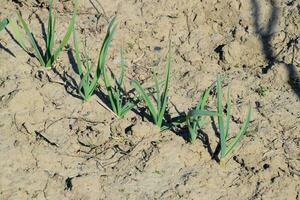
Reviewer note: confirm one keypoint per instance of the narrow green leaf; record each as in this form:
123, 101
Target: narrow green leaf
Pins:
157, 93
146, 99
101, 67
87, 86
241, 132
119, 83
86, 60
202, 123
51, 47
64, 40
122, 64
126, 108
175, 121
118, 98
32, 41
220, 117
111, 95
19, 37
77, 54
204, 98
103, 51
164, 97
50, 33
195, 117
3, 23
192, 130
199, 113
228, 111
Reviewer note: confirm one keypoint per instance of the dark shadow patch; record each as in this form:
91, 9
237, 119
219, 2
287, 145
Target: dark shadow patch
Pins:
206, 143
14, 39
216, 152
265, 34
69, 83
72, 60
7, 50
68, 184
43, 28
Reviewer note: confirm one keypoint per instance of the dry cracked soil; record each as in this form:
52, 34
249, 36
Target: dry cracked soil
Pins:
55, 146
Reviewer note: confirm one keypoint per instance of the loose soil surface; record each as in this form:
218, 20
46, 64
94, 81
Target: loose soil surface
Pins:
55, 146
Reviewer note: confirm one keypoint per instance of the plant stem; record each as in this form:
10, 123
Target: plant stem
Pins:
222, 163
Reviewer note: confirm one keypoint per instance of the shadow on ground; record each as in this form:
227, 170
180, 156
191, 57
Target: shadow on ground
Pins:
265, 34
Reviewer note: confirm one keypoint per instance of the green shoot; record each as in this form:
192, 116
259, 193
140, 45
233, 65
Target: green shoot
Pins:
161, 99
46, 59
116, 94
224, 125
17, 34
88, 83
194, 120
3, 23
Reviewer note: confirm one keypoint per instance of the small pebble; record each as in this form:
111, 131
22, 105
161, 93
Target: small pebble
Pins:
157, 49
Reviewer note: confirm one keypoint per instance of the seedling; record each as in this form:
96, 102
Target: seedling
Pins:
3, 23
224, 126
194, 119
160, 99
46, 59
88, 82
116, 93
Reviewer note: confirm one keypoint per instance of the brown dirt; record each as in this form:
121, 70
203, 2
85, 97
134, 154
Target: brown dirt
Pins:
54, 146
